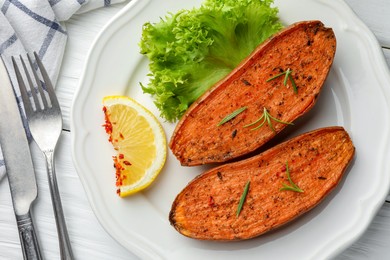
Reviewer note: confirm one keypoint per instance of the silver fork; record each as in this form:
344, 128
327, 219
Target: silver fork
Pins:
45, 123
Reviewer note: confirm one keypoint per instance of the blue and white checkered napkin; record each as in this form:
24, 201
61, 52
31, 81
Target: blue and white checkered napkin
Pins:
35, 25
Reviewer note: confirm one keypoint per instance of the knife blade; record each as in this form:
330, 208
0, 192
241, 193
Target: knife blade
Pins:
19, 166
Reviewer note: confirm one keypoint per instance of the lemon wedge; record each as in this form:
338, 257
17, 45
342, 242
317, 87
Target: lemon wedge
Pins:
139, 140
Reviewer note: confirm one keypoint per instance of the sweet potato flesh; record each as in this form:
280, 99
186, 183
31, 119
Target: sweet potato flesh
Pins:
306, 48
206, 208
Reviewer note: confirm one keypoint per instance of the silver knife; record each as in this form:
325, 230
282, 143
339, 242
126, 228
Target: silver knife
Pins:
19, 166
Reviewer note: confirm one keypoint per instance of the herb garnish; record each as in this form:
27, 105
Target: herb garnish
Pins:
292, 186
287, 75
232, 115
243, 197
266, 118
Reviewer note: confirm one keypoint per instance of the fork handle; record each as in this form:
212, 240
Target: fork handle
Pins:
63, 237
28, 237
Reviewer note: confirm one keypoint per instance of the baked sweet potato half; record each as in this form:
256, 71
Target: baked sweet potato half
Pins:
281, 78
282, 183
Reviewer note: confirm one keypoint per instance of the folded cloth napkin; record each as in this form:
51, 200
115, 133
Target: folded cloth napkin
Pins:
35, 25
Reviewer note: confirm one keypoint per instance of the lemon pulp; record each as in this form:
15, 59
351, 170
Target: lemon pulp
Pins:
139, 141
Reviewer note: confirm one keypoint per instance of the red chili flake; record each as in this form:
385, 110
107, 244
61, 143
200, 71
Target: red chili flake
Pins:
104, 109
117, 166
282, 170
108, 127
119, 177
107, 124
121, 156
118, 191
211, 201
121, 136
127, 163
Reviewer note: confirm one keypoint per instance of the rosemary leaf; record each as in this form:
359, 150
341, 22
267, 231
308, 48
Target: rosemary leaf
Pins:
242, 199
292, 186
276, 76
270, 123
266, 118
259, 126
288, 72
232, 115
255, 122
287, 76
293, 84
280, 121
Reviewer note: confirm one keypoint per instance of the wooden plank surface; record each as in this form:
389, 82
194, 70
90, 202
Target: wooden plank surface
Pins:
89, 239
375, 14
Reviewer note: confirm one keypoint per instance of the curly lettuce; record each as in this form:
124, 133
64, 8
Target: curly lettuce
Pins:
191, 50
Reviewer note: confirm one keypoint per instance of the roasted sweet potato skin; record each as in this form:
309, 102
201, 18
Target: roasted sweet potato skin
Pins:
206, 208
306, 48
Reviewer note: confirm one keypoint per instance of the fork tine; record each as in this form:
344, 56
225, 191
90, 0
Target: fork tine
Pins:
46, 78
23, 91
39, 83
32, 89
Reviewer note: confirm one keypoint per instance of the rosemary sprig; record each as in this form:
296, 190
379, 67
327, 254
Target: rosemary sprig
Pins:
266, 118
292, 186
287, 76
232, 115
242, 199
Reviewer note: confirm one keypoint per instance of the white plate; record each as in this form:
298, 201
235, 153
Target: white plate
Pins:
355, 96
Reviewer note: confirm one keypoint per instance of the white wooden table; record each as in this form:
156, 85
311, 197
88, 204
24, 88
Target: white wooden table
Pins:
89, 239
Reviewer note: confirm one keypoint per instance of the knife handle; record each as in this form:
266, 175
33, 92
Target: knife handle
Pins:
28, 238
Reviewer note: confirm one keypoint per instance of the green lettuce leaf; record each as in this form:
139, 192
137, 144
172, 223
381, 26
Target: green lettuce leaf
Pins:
191, 50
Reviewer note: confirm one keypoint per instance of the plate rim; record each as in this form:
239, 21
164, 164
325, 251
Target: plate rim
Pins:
114, 25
